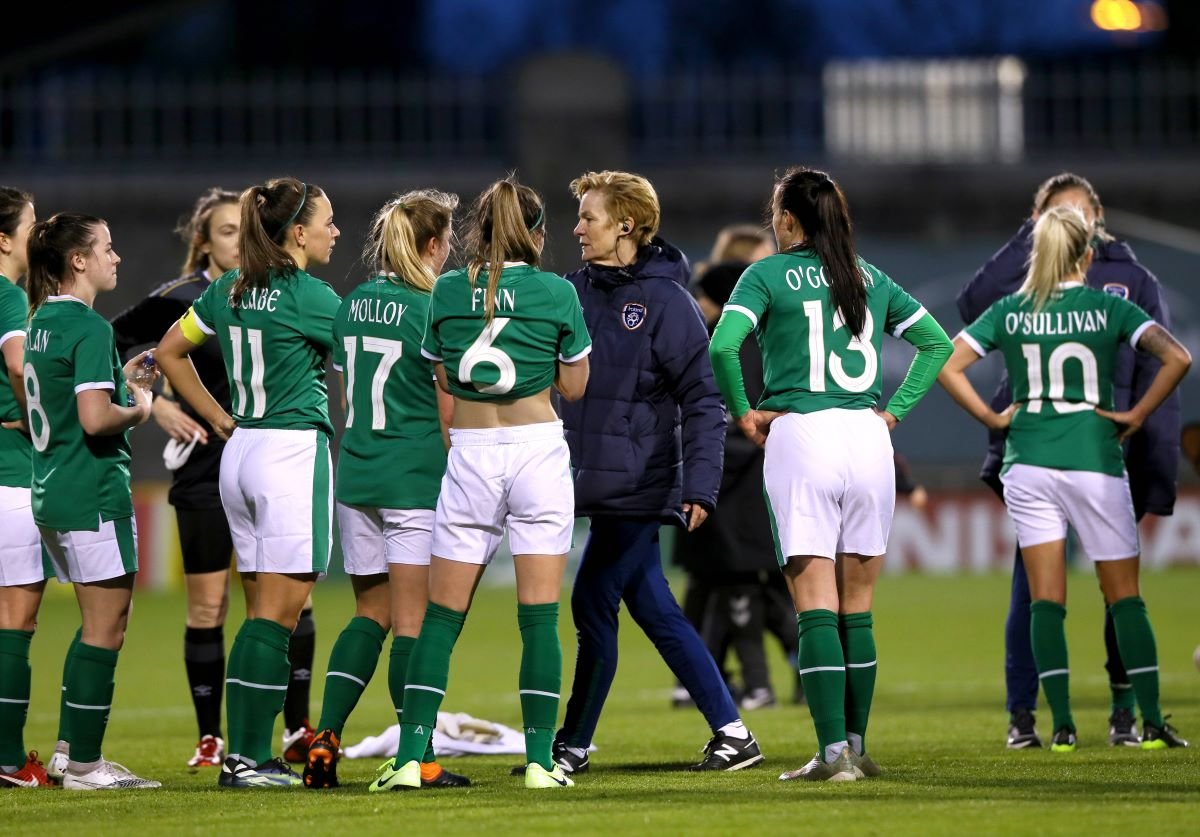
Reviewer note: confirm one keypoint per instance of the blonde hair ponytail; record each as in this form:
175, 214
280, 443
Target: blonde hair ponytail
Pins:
1060, 241
503, 221
401, 231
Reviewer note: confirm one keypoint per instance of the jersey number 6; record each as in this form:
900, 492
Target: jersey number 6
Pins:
482, 351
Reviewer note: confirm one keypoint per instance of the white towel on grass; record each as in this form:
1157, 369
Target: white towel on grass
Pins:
456, 734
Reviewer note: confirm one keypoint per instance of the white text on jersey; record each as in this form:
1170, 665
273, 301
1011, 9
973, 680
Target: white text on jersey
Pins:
1058, 322
260, 300
506, 299
39, 340
376, 311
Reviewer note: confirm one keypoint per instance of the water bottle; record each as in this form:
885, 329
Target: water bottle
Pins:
143, 376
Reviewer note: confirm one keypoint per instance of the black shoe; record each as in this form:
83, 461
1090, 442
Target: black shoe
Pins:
724, 752
1122, 729
1160, 738
320, 771
570, 763
1021, 731
445, 779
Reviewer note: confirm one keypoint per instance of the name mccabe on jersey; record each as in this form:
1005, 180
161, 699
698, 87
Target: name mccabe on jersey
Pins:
1049, 323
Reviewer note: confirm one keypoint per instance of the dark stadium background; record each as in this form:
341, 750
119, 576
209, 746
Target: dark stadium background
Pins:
938, 117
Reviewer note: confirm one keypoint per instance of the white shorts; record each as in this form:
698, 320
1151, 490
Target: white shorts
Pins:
22, 558
277, 490
1042, 501
517, 478
830, 480
83, 556
373, 538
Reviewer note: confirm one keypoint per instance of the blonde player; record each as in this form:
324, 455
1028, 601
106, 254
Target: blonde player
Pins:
500, 332
1063, 462
386, 514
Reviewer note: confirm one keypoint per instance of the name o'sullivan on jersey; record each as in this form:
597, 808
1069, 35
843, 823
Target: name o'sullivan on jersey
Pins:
1058, 322
376, 311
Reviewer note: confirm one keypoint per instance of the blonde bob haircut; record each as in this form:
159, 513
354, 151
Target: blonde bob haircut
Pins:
1061, 238
626, 195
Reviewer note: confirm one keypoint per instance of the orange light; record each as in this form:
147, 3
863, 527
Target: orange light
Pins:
1128, 16
1116, 15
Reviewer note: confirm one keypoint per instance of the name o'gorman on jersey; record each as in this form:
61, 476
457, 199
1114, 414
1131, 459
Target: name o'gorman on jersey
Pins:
1047, 323
376, 311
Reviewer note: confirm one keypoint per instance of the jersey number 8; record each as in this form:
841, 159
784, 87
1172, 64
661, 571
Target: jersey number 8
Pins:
33, 398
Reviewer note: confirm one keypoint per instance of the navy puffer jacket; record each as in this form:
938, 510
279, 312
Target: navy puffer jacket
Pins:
1152, 454
649, 432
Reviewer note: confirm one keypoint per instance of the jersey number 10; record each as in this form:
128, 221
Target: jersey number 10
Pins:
1058, 379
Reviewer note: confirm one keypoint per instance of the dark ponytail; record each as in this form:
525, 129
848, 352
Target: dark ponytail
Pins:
12, 204
268, 212
817, 203
51, 244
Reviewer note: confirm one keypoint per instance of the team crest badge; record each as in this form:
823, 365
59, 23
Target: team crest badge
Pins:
1116, 289
633, 315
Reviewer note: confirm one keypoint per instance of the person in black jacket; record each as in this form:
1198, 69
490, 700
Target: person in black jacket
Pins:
647, 442
735, 591
194, 456
1151, 456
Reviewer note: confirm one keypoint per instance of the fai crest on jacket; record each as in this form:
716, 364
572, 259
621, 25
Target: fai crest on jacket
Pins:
1117, 289
633, 315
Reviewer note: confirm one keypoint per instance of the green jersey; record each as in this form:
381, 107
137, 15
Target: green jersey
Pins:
1060, 362
275, 343
392, 453
15, 448
78, 480
537, 323
810, 360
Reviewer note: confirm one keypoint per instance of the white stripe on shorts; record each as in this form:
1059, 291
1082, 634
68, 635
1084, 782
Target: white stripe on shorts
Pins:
1054, 672
536, 692
821, 668
1143, 670
425, 689
85, 706
347, 676
267, 686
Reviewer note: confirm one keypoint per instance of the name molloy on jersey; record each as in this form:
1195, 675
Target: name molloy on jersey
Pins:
376, 311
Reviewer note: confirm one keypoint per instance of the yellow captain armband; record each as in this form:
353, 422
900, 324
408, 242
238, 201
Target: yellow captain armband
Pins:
193, 327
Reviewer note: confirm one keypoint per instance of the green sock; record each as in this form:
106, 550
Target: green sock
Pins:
402, 647
428, 672
92, 678
256, 683
1122, 693
15, 676
541, 679
822, 668
64, 731
351, 665
858, 645
1049, 639
1139, 653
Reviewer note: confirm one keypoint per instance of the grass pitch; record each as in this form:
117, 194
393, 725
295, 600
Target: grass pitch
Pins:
937, 728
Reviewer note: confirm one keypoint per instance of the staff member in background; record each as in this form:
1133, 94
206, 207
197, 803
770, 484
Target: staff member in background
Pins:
647, 441
274, 321
76, 413
735, 590
23, 569
819, 313
211, 234
1151, 456
1062, 458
